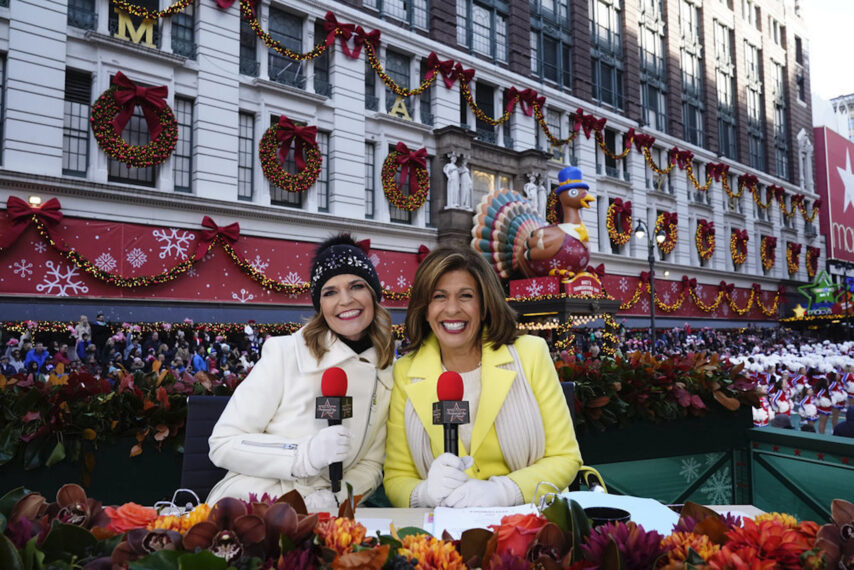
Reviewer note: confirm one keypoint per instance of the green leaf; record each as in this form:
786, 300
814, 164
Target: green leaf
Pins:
65, 541
580, 529
9, 557
2, 523
8, 501
33, 557
411, 531
57, 455
32, 453
558, 513
160, 560
204, 560
10, 438
286, 544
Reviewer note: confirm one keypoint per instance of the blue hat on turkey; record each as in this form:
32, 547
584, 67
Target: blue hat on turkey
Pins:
570, 177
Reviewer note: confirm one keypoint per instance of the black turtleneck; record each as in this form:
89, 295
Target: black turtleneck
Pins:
358, 346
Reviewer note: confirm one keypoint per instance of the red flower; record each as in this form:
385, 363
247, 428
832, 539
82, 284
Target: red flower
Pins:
517, 532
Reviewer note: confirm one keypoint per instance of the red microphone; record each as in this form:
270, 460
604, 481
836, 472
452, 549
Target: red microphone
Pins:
334, 406
450, 410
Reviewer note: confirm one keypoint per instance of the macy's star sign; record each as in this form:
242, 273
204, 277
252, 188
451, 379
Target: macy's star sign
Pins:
847, 177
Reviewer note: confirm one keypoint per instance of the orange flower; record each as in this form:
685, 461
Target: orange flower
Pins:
517, 532
740, 557
787, 521
181, 523
129, 516
431, 552
677, 545
341, 534
771, 539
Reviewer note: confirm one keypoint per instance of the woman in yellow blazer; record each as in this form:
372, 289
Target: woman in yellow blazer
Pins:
520, 433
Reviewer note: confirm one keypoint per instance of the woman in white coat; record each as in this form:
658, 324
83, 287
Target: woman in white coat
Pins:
268, 437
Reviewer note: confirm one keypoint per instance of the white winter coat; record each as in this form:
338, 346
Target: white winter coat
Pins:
271, 415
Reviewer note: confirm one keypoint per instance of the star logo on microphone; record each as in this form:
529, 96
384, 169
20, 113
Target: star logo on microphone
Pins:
456, 414
327, 410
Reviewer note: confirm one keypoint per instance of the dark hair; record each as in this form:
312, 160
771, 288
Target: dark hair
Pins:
497, 315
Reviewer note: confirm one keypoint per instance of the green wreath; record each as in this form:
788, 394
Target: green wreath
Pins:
268, 150
417, 196
105, 108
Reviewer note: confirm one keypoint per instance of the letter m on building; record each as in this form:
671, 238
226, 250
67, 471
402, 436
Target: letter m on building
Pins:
128, 31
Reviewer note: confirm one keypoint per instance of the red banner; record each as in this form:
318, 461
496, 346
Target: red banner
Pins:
834, 177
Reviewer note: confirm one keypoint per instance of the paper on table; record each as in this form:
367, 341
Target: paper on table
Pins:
374, 525
455, 521
648, 513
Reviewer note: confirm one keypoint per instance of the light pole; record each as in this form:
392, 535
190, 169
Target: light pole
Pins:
641, 231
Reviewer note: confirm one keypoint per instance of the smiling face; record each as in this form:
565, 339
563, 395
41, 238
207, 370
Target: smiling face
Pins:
347, 305
454, 312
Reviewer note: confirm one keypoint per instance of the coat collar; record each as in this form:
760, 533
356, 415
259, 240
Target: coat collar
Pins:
495, 381
337, 354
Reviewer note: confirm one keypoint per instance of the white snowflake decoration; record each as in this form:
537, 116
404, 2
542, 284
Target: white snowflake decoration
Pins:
105, 262
61, 281
551, 287
674, 287
292, 278
401, 282
535, 289
690, 469
724, 308
244, 296
39, 246
22, 269
554, 264
191, 272
173, 242
623, 285
665, 297
259, 264
375, 259
137, 257
718, 488
645, 305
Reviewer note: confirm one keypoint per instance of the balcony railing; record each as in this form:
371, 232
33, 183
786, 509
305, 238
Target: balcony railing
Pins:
249, 67
184, 47
77, 17
486, 135
372, 102
323, 88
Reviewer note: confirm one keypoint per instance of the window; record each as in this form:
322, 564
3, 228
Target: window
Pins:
482, 27
799, 50
182, 159
658, 182
613, 168
246, 156
322, 86
781, 141
81, 14
2, 99
692, 74
750, 13
139, 24
484, 181
551, 42
397, 66
249, 64
281, 197
652, 74
725, 89
322, 183
396, 214
506, 126
412, 12
485, 99
287, 29
370, 178
425, 100
372, 102
75, 123
605, 26
755, 107
553, 121
184, 32
135, 133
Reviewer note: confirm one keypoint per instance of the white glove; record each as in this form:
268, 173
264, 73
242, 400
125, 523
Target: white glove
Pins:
327, 446
478, 493
447, 472
322, 501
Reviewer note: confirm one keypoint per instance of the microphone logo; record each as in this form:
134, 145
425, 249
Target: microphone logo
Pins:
327, 410
457, 414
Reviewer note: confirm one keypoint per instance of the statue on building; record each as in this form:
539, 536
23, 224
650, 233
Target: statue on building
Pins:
531, 191
542, 198
465, 184
452, 186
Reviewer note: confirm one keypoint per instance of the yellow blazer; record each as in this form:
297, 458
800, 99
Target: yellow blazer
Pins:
562, 457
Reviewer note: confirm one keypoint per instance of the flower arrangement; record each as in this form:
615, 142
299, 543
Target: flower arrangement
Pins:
738, 246
704, 239
413, 166
274, 147
667, 221
624, 211
77, 531
767, 252
793, 257
105, 110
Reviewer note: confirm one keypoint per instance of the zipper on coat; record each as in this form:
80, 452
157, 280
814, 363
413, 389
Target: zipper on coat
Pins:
283, 445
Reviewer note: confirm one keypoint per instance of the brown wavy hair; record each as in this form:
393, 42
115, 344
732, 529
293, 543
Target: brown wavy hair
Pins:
497, 315
379, 332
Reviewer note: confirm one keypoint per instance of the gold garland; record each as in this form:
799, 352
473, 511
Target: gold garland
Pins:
622, 236
704, 239
668, 308
719, 297
767, 249
627, 145
671, 233
769, 197
144, 13
793, 260
689, 170
738, 253
813, 253
803, 208
728, 190
634, 298
741, 311
772, 311
647, 154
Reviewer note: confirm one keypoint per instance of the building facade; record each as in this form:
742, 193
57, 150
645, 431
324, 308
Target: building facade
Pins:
844, 104
727, 80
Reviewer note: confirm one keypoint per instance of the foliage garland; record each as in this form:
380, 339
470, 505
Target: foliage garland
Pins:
738, 246
671, 231
135, 10
155, 152
268, 149
769, 196
767, 252
417, 196
704, 239
624, 234
793, 257
813, 254
816, 206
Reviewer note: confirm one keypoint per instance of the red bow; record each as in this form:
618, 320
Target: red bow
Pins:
748, 180
364, 245
668, 218
128, 95
300, 135
729, 288
332, 27
628, 138
588, 123
423, 251
618, 206
717, 169
756, 287
817, 204
226, 4
409, 161
528, 99
230, 232
643, 141
777, 190
682, 157
770, 242
689, 283
21, 214
741, 236
446, 68
597, 270
371, 38
464, 75
795, 248
797, 199
644, 277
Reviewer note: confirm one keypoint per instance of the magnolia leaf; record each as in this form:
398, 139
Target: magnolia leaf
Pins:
10, 499
729, 403
65, 541
558, 513
9, 558
714, 528
611, 557
57, 455
136, 450
371, 559
411, 530
9, 441
162, 432
169, 560
580, 529
473, 543
33, 557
